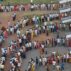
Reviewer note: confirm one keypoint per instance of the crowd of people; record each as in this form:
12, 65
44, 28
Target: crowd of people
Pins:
53, 62
33, 7
42, 25
26, 7
17, 48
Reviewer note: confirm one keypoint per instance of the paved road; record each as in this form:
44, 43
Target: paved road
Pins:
34, 53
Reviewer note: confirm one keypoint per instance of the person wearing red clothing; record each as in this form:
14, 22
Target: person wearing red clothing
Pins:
5, 34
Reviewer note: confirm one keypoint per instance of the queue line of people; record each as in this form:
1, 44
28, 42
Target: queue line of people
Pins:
27, 7
53, 62
24, 43
18, 48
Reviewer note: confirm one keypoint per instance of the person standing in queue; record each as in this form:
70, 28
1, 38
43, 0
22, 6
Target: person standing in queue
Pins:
14, 16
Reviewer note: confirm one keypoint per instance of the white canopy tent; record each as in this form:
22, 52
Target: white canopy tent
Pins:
66, 20
64, 1
68, 36
53, 15
65, 10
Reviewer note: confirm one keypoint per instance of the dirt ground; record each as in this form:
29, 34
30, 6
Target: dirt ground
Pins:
5, 17
40, 38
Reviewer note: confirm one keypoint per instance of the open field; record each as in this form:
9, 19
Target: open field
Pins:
27, 1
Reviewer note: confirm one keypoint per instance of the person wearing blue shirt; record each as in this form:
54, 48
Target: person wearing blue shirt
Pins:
62, 66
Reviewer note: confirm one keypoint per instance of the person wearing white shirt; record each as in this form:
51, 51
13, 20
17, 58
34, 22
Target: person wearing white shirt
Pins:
58, 41
27, 31
12, 30
40, 61
24, 36
3, 8
24, 23
1, 66
30, 30
34, 44
44, 60
11, 8
33, 18
54, 53
18, 33
43, 6
54, 64
20, 42
67, 57
58, 67
30, 45
16, 27
14, 16
42, 45
36, 32
9, 24
3, 59
36, 25
4, 51
45, 23
32, 7
27, 46
43, 29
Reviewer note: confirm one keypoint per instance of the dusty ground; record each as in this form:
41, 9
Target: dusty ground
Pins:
5, 17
